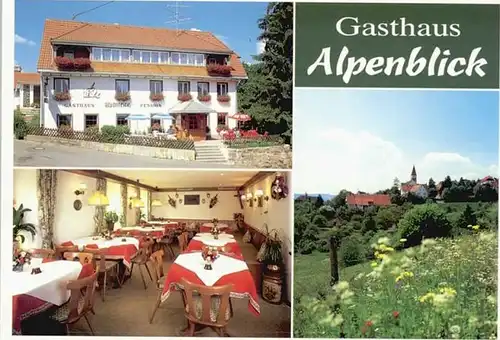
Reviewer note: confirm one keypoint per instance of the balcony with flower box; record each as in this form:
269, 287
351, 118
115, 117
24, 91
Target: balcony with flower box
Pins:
223, 98
122, 96
184, 97
62, 96
72, 58
156, 97
205, 98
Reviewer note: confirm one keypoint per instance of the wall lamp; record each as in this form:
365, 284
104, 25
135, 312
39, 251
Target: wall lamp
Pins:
81, 189
260, 198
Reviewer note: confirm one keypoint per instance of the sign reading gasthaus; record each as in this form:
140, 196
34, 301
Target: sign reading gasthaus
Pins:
397, 45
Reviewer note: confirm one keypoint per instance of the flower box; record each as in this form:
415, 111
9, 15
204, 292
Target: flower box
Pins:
62, 96
122, 96
219, 70
204, 98
64, 63
184, 97
224, 98
81, 64
156, 97
77, 64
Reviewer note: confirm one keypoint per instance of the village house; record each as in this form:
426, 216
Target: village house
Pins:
363, 201
110, 74
412, 186
26, 89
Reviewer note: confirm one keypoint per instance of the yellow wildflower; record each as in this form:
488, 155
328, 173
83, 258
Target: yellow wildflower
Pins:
475, 227
381, 256
374, 264
384, 240
448, 291
427, 297
403, 240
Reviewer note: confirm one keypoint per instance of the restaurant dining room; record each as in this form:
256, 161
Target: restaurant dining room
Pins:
151, 253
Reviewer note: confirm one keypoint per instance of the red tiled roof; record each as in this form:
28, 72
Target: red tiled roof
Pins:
133, 36
26, 78
410, 187
365, 199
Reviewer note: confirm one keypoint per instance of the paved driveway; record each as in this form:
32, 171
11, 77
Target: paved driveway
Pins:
34, 154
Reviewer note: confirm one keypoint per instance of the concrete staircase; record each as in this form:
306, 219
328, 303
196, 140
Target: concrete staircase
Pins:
209, 151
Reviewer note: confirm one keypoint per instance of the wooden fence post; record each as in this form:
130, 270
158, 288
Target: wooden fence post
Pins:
334, 261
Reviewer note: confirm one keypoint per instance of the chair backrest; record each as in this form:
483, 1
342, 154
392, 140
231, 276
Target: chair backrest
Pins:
157, 259
83, 287
146, 247
42, 253
98, 253
60, 250
206, 295
183, 241
84, 258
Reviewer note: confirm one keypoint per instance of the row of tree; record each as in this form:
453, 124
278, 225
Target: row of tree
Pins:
267, 94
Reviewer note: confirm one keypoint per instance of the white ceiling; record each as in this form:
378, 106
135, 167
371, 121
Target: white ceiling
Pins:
186, 179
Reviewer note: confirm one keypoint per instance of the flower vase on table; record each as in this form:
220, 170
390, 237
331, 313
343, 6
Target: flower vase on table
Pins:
215, 232
19, 260
209, 254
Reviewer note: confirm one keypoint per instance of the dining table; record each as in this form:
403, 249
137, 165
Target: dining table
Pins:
206, 227
35, 293
225, 241
118, 248
154, 232
226, 269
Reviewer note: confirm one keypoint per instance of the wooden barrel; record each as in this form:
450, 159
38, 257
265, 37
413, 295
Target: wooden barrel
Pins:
272, 285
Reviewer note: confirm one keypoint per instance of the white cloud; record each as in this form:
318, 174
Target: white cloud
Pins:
358, 160
21, 40
195, 30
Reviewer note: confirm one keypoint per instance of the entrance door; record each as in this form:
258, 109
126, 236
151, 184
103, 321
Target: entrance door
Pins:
196, 124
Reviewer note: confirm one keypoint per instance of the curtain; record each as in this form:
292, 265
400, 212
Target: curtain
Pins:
46, 192
124, 204
137, 210
150, 196
101, 185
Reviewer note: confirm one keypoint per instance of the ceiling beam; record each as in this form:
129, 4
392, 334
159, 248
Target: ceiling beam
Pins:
259, 176
205, 189
107, 175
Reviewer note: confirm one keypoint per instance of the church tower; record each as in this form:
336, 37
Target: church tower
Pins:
414, 175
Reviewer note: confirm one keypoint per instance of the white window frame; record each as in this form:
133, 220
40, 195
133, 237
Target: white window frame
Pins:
171, 58
166, 55
122, 59
110, 54
62, 87
222, 85
142, 57
202, 58
94, 53
187, 58
133, 57
116, 50
157, 83
186, 84
204, 85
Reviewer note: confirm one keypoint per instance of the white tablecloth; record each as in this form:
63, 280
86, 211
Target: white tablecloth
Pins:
161, 222
210, 241
50, 284
219, 225
224, 265
103, 243
144, 229
221, 235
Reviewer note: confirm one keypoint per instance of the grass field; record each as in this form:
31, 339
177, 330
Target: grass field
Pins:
442, 289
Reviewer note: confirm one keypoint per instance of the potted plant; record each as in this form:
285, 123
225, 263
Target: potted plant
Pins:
111, 218
272, 260
184, 97
20, 225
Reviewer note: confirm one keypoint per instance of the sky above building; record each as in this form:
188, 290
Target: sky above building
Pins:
362, 140
235, 23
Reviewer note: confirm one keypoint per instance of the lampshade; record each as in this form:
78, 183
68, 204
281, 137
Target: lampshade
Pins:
137, 203
243, 197
98, 199
156, 203
259, 193
249, 195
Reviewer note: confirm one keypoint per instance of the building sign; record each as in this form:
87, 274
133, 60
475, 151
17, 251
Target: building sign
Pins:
79, 105
91, 92
113, 105
151, 105
397, 45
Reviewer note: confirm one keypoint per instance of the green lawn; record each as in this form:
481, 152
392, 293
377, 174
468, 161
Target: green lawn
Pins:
455, 279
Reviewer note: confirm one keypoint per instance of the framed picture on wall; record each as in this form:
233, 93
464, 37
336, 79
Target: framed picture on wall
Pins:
191, 199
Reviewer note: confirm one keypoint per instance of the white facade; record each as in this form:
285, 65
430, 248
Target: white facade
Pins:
19, 94
95, 95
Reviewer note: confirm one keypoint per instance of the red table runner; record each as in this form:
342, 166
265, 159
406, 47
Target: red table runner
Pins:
135, 233
24, 305
244, 285
123, 252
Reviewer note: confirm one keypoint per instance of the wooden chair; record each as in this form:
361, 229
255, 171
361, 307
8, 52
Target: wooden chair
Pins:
84, 258
142, 259
207, 306
104, 267
60, 250
157, 260
80, 303
166, 244
183, 241
42, 253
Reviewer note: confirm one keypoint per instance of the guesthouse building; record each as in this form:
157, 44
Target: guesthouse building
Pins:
94, 75
26, 90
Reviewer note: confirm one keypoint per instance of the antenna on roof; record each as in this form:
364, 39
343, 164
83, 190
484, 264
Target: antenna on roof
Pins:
176, 18
90, 10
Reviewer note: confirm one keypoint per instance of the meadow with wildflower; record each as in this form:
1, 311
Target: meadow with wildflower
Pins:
443, 288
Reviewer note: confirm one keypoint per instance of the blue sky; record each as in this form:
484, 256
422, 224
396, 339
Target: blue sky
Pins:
234, 22
363, 139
